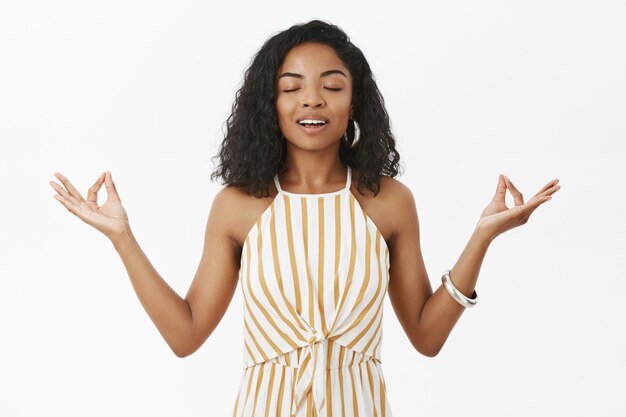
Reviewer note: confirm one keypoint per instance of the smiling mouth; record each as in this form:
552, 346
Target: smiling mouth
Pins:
312, 128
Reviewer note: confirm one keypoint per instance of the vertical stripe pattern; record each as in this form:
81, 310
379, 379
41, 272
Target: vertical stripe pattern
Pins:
314, 274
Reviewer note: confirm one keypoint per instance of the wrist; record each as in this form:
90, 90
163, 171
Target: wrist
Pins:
484, 236
122, 238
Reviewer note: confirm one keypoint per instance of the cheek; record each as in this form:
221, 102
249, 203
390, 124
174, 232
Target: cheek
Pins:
283, 108
341, 104
284, 115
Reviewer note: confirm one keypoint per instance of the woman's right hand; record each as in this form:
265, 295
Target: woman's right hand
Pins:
110, 218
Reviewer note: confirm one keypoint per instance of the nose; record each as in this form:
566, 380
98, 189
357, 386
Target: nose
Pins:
312, 98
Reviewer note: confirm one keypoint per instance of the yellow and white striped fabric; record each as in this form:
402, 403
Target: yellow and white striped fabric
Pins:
314, 274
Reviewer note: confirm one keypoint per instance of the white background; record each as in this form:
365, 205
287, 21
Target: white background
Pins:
531, 89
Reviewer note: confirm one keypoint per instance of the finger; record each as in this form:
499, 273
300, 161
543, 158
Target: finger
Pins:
549, 186
532, 206
63, 193
551, 190
518, 198
69, 205
500, 189
70, 188
111, 190
92, 194
536, 203
548, 192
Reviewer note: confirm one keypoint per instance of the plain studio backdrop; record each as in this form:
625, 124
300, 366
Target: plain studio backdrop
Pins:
531, 89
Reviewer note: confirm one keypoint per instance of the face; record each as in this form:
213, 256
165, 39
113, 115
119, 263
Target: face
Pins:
313, 83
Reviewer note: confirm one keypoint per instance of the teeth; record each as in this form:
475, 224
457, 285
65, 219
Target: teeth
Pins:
306, 121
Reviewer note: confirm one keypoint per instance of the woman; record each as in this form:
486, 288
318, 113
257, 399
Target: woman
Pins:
314, 254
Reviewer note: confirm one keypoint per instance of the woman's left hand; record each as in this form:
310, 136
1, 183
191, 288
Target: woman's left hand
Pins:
497, 218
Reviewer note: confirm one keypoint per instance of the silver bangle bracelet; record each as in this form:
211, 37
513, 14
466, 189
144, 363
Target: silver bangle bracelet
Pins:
458, 296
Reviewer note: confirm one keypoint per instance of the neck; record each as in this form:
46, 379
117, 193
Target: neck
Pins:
313, 174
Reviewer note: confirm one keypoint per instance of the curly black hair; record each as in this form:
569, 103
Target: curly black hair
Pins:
254, 149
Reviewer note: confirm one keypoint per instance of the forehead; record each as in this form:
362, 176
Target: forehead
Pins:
310, 59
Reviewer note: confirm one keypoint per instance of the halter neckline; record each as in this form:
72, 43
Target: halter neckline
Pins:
345, 188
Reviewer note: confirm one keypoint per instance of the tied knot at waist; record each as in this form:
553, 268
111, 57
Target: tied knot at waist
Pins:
311, 373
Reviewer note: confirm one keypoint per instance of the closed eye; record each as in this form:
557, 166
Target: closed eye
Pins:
328, 88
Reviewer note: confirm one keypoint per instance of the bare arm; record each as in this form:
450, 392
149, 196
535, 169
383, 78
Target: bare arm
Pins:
185, 323
426, 317
170, 313
441, 312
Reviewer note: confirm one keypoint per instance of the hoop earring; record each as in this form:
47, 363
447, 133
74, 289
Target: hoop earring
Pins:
357, 135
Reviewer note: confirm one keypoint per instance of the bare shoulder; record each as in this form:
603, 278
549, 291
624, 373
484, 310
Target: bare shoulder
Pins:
395, 188
238, 211
399, 204
389, 207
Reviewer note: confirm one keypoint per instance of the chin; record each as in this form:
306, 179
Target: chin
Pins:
311, 143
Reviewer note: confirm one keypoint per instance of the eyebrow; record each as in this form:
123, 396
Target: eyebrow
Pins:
324, 74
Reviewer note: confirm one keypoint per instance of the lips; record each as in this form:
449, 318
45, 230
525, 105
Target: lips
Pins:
312, 116
313, 129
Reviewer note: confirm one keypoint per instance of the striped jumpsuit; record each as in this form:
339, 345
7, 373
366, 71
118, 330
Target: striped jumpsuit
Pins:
314, 273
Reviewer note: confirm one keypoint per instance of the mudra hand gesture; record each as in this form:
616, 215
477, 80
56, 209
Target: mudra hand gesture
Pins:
110, 218
497, 218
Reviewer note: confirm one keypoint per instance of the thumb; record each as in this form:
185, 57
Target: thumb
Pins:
110, 187
500, 189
